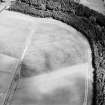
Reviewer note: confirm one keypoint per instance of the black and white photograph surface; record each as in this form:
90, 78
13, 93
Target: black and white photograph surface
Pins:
52, 52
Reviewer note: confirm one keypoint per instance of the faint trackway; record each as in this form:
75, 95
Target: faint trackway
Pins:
11, 92
28, 42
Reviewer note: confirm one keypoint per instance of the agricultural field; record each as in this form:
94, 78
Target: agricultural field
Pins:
54, 61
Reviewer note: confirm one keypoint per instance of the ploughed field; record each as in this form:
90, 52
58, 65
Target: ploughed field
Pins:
53, 58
